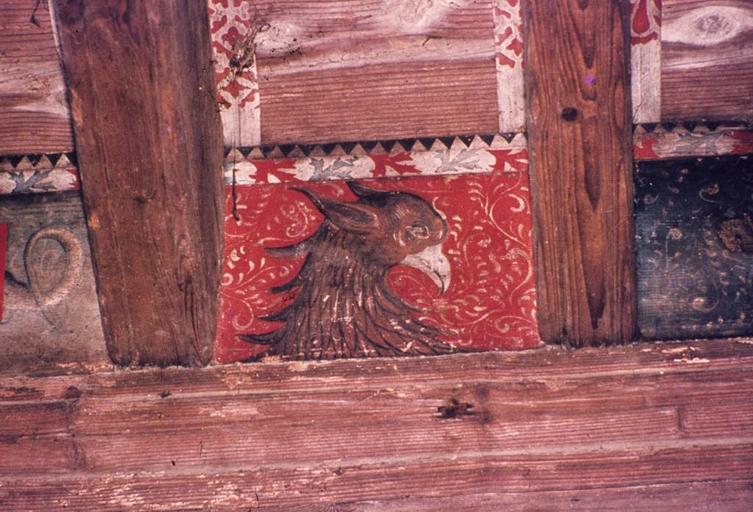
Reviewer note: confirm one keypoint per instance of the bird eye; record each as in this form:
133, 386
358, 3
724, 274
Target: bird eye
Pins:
417, 232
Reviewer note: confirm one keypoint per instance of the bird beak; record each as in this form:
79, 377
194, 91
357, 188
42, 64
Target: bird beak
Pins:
433, 263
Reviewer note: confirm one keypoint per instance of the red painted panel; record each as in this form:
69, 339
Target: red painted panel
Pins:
490, 301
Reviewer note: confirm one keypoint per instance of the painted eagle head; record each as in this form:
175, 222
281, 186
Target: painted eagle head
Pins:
392, 228
344, 306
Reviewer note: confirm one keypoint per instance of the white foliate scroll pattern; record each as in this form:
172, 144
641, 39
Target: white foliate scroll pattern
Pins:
508, 45
490, 303
645, 38
493, 304
249, 272
37, 174
234, 29
661, 143
472, 157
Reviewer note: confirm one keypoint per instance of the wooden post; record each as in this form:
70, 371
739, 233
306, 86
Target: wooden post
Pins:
580, 134
149, 144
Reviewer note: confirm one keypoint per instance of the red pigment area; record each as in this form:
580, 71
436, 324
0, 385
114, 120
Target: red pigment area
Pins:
489, 305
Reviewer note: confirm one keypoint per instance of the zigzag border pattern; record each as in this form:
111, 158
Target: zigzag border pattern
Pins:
381, 147
661, 141
28, 174
57, 172
427, 156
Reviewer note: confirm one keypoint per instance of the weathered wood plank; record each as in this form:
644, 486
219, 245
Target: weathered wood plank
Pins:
604, 426
707, 60
223, 431
728, 496
337, 484
149, 142
510, 367
579, 136
35, 456
33, 108
379, 102
411, 69
130, 433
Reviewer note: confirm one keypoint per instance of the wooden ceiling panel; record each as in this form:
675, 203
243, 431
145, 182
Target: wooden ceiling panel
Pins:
379, 102
356, 70
34, 114
707, 59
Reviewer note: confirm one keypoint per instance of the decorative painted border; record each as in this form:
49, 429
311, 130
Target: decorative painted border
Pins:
25, 174
234, 31
3, 259
471, 154
664, 141
508, 46
381, 147
411, 157
645, 60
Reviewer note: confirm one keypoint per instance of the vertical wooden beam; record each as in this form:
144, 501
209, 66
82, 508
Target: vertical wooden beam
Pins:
579, 127
149, 144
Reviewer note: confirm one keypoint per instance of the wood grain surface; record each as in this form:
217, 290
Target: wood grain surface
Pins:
707, 59
33, 108
580, 162
149, 145
360, 70
595, 429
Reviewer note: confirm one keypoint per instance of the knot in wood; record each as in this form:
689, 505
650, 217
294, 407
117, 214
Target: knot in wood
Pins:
455, 409
569, 114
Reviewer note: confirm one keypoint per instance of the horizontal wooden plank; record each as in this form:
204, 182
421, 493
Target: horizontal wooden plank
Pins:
597, 425
727, 496
337, 485
520, 400
36, 456
27, 419
697, 358
33, 107
707, 60
307, 439
379, 102
324, 71
124, 433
